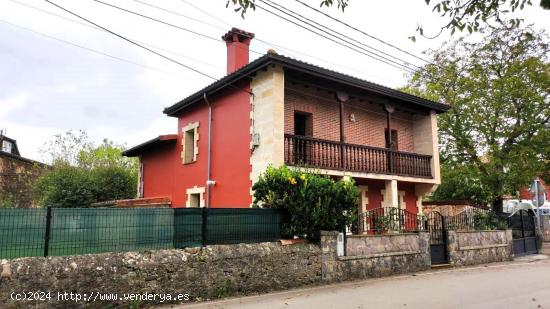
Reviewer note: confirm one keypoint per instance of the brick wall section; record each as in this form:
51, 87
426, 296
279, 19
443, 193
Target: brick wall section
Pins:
370, 119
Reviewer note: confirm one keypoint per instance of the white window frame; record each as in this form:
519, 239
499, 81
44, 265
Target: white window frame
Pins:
194, 126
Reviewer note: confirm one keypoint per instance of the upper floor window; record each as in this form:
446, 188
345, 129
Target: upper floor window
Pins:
303, 125
190, 143
7, 146
393, 142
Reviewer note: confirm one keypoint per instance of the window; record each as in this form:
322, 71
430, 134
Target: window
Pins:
393, 143
303, 124
194, 200
7, 146
195, 197
190, 143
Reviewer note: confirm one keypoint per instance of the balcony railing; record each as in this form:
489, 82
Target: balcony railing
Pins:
318, 153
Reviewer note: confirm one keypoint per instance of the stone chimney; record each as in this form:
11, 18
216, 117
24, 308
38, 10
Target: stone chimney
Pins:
237, 42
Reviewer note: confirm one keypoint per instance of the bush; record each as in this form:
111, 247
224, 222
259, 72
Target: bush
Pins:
309, 202
489, 221
113, 183
65, 186
68, 186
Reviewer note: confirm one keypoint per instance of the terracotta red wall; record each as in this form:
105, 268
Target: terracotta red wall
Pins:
373, 193
375, 196
158, 171
410, 196
230, 151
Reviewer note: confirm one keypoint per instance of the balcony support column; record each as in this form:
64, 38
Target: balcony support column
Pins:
391, 194
389, 110
342, 98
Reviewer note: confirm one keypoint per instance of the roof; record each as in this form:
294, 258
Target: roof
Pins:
151, 144
15, 150
304, 67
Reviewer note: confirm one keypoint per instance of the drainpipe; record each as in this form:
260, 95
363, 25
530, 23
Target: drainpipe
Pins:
209, 182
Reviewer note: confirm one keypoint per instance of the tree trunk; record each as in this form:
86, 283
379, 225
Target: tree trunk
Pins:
498, 204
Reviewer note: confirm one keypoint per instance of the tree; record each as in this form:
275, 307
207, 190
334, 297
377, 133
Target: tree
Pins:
470, 15
496, 136
84, 173
66, 147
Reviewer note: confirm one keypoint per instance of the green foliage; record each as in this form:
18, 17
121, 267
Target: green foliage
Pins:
65, 186
473, 16
83, 174
383, 223
244, 5
462, 182
310, 202
113, 183
69, 186
6, 199
107, 154
495, 138
489, 221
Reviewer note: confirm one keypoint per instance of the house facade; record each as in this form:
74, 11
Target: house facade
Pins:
17, 174
280, 111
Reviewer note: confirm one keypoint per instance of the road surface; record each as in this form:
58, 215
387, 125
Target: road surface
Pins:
519, 284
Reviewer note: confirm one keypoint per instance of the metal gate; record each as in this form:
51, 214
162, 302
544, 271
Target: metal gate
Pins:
523, 225
438, 237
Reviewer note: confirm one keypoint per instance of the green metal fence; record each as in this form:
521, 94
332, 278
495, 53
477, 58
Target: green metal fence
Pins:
70, 231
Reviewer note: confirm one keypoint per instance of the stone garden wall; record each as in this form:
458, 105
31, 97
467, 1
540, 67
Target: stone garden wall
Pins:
224, 270
545, 222
479, 247
202, 273
370, 256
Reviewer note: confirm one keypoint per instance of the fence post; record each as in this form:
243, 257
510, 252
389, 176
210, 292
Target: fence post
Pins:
48, 228
204, 225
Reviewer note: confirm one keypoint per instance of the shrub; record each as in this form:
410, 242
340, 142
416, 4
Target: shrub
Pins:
489, 221
309, 202
113, 183
69, 186
65, 186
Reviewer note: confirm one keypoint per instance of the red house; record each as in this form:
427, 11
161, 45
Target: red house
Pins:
277, 110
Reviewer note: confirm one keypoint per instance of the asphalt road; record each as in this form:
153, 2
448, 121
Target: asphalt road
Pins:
519, 284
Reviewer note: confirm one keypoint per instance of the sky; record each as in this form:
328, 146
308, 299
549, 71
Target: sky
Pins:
58, 74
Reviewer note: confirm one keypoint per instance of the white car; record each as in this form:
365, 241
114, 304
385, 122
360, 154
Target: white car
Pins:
513, 206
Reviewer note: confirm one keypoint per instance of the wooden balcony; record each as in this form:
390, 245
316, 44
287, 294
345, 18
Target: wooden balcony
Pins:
317, 153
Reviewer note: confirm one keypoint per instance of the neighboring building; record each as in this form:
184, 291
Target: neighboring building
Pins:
525, 194
277, 110
17, 174
451, 207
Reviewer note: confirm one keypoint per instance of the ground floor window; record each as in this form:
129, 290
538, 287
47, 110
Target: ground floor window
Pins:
195, 197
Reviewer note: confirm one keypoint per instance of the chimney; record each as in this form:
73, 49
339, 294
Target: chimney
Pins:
237, 42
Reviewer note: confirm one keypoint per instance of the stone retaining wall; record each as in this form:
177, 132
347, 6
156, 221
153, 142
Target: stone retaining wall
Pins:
479, 247
370, 256
203, 273
375, 244
224, 270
